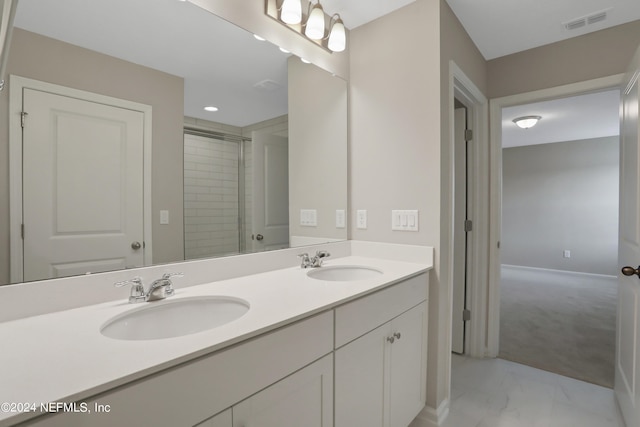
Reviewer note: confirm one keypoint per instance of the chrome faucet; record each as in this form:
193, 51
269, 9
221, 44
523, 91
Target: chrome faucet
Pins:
316, 261
159, 289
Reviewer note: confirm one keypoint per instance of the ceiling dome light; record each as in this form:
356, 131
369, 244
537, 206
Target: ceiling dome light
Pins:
337, 36
210, 108
291, 12
526, 122
315, 23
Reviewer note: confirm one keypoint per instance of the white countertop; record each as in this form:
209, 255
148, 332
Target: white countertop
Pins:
63, 357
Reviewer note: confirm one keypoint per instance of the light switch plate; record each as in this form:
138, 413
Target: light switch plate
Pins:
361, 219
308, 217
340, 218
164, 217
404, 220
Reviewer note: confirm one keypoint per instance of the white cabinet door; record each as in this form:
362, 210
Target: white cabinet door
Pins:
303, 399
221, 420
359, 380
407, 375
381, 377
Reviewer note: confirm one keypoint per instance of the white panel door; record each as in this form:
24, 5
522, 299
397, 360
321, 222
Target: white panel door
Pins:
459, 233
82, 186
270, 202
627, 379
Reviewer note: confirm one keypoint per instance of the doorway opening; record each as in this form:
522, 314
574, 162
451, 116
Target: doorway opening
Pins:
558, 194
215, 185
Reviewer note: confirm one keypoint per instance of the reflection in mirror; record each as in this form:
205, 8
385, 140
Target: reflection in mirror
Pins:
167, 60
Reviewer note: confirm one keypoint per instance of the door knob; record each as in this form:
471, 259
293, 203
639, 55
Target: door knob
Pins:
259, 237
135, 246
630, 271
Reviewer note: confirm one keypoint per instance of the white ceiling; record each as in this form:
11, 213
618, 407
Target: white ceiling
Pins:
503, 27
222, 65
219, 61
567, 119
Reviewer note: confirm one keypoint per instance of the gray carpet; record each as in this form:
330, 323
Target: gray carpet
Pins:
561, 322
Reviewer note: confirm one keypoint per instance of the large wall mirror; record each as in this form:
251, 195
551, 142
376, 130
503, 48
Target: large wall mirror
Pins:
119, 165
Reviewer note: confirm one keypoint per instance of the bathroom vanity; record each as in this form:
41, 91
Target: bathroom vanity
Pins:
332, 350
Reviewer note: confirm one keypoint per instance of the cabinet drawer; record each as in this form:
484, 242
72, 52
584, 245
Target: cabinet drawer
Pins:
356, 318
190, 393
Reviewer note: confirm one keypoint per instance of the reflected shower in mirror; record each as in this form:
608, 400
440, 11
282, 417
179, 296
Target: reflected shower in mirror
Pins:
164, 61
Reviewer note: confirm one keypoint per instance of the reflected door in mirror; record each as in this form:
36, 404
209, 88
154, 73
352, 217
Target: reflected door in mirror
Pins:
82, 192
270, 201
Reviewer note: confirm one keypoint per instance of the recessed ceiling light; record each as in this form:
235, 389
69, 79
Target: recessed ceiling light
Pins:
284, 50
306, 61
211, 108
259, 38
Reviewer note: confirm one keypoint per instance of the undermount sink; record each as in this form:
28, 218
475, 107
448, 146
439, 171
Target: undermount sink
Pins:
343, 273
174, 318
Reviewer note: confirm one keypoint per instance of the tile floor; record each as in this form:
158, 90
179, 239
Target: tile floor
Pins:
499, 393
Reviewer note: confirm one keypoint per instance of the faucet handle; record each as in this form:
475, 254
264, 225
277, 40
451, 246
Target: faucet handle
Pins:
170, 275
305, 260
323, 254
136, 281
137, 288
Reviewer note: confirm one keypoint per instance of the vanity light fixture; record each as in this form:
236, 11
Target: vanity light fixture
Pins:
312, 25
210, 108
526, 122
291, 12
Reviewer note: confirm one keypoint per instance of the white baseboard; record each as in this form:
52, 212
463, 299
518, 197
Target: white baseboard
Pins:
431, 417
524, 267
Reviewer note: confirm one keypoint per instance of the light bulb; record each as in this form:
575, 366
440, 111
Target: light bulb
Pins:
291, 12
337, 37
315, 23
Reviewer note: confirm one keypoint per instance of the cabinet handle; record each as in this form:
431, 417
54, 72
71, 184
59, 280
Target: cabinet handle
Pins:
397, 335
391, 339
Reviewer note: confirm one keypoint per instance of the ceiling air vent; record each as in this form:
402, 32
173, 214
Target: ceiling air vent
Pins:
267, 85
583, 21
575, 24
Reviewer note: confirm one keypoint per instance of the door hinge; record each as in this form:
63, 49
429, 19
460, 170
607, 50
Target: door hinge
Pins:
468, 134
468, 225
23, 116
466, 315
22, 231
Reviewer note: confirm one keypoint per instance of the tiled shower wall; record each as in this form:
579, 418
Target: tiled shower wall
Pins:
210, 197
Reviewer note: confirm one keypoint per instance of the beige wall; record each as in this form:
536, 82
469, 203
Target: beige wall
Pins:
317, 138
561, 196
395, 140
456, 46
41, 58
599, 54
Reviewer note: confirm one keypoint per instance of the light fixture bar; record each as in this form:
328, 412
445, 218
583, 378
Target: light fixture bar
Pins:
312, 24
